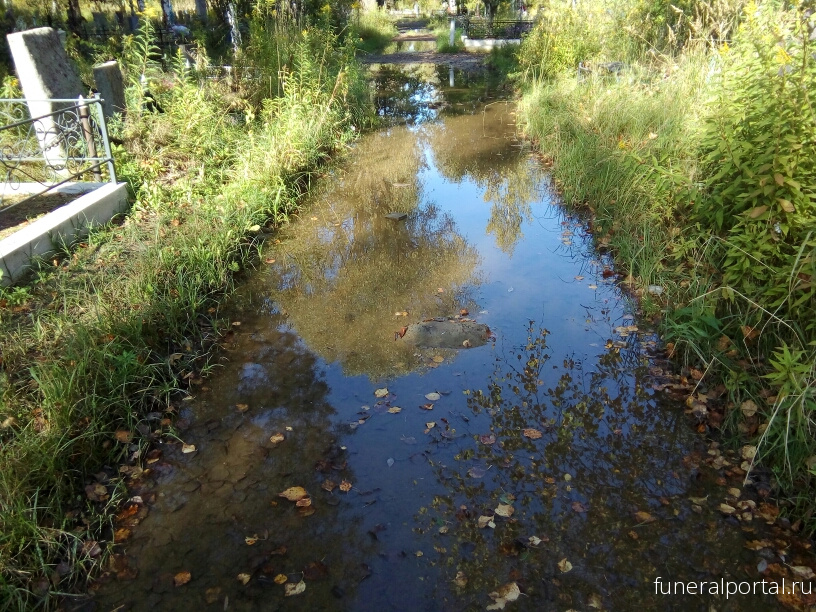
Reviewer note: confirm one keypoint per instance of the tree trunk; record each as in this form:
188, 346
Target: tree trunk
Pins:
74, 18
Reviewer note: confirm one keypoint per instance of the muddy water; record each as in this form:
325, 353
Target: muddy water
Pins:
542, 460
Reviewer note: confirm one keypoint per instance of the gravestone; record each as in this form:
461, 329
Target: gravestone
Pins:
45, 73
111, 87
201, 10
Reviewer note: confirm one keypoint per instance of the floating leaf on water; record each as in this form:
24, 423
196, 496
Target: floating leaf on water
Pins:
507, 498
644, 517
567, 476
531, 433
419, 553
476, 472
277, 438
579, 278
578, 507
304, 502
394, 410
345, 486
443, 529
503, 595
726, 509
438, 358
485, 521
698, 500
242, 407
460, 580
430, 424
328, 485
427, 406
381, 392
181, 578
593, 286
251, 540
294, 493
535, 540
504, 510
487, 439
564, 565
390, 461
280, 579
595, 599
433, 396
307, 511
243, 578
294, 589
188, 448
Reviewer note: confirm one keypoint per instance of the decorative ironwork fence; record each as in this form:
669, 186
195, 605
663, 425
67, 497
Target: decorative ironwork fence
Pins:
38, 154
478, 28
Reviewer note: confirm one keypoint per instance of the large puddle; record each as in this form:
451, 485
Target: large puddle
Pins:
540, 463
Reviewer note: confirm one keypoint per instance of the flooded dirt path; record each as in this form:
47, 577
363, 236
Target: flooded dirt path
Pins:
539, 471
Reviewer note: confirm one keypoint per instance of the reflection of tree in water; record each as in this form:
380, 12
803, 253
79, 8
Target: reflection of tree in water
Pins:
410, 93
210, 502
606, 451
346, 275
485, 150
415, 93
510, 197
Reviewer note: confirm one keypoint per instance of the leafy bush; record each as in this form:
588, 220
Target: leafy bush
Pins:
758, 155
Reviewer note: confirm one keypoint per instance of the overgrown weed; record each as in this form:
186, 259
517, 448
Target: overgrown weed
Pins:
695, 161
98, 353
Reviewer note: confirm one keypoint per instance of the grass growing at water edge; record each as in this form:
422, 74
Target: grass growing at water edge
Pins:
97, 357
695, 163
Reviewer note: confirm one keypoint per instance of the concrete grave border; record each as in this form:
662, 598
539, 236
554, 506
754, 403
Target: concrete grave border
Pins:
60, 227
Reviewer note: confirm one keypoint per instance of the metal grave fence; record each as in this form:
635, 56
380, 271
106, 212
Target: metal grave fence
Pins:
39, 154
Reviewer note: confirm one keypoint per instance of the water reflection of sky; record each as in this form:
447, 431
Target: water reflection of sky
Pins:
317, 338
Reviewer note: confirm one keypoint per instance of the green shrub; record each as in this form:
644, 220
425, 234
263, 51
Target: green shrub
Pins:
758, 171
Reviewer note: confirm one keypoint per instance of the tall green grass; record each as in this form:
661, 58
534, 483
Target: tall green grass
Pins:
695, 166
373, 30
111, 335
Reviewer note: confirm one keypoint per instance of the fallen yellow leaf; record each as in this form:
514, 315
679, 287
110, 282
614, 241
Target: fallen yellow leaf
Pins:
294, 493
